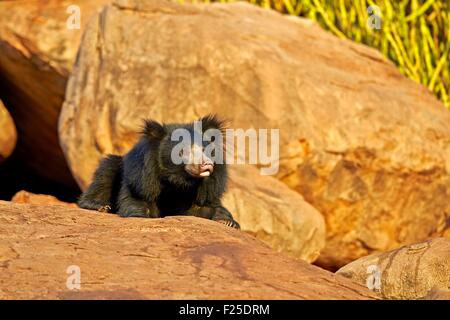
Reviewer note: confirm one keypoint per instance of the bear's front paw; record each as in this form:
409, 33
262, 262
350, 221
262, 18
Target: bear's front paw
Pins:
230, 223
104, 209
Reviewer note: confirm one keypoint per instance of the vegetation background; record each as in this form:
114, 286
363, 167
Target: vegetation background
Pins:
414, 34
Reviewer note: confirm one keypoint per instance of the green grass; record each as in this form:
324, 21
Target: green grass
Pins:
414, 34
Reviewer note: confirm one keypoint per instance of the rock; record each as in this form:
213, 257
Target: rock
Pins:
269, 210
278, 216
39, 199
37, 52
8, 134
367, 147
170, 258
438, 295
409, 272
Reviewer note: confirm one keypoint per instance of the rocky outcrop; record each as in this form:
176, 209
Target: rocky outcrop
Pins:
37, 51
276, 215
269, 210
8, 134
39, 199
420, 270
44, 248
364, 145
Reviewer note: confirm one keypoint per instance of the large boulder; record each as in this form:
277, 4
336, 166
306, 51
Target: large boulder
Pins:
269, 210
37, 52
44, 248
369, 148
276, 215
8, 134
420, 270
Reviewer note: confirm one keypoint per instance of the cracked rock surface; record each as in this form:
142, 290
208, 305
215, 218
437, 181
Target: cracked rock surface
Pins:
173, 258
419, 270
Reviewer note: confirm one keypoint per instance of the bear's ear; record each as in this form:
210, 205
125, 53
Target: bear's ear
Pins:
212, 121
154, 130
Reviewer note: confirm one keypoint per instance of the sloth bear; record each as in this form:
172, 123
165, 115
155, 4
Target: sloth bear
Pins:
160, 177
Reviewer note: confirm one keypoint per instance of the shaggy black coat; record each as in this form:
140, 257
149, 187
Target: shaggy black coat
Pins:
146, 183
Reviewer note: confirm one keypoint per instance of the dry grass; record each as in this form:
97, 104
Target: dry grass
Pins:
414, 34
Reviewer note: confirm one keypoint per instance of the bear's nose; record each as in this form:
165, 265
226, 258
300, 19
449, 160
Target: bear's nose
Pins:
206, 168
